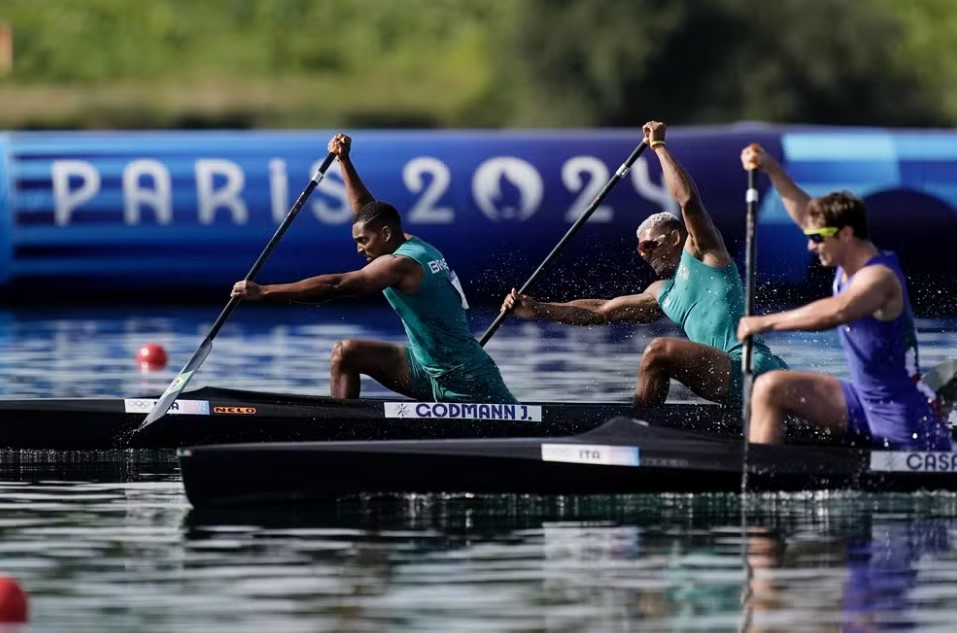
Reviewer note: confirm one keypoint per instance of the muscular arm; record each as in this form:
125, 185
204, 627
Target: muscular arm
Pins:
379, 274
704, 235
794, 198
873, 290
355, 188
640, 308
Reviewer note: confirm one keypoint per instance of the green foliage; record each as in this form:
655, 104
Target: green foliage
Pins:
620, 62
323, 63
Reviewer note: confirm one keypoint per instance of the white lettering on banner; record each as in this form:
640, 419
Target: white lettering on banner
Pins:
159, 198
507, 188
648, 190
597, 172
65, 200
181, 407
463, 411
424, 210
591, 454
333, 187
914, 462
227, 196
278, 189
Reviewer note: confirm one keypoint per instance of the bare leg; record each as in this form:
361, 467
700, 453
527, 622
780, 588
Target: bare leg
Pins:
703, 369
386, 363
818, 398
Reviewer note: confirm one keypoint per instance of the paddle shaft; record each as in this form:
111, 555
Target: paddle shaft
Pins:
179, 382
273, 242
614, 180
751, 197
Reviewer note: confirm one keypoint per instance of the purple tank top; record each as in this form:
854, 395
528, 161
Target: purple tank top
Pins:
881, 355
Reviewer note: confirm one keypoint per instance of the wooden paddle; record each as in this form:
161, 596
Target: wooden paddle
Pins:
182, 379
614, 180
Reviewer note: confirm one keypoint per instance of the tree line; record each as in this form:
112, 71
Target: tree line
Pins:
477, 63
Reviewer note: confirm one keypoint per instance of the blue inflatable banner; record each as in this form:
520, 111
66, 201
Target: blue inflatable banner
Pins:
150, 214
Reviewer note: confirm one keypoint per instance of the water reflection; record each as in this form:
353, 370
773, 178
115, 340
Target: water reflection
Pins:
882, 590
598, 563
133, 556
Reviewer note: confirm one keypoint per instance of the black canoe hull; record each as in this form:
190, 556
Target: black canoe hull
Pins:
665, 460
233, 416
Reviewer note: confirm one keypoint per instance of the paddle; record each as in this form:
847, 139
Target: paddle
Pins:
182, 379
614, 180
751, 197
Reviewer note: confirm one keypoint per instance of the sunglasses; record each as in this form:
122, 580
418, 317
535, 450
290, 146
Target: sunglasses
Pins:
647, 246
820, 234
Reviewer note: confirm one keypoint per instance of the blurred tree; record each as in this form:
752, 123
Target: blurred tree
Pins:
618, 62
928, 47
471, 63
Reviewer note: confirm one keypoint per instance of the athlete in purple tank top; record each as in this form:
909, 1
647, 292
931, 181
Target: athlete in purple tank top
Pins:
883, 403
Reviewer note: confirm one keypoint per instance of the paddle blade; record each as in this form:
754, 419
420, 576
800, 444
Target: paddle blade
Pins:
179, 383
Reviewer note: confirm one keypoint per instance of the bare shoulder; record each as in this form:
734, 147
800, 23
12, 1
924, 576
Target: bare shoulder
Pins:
875, 275
406, 272
876, 281
654, 288
392, 261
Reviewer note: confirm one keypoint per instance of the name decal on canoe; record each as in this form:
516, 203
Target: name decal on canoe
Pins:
235, 410
187, 407
591, 454
916, 462
462, 411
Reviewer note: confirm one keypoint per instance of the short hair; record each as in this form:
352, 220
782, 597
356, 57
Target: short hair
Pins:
663, 219
840, 209
377, 214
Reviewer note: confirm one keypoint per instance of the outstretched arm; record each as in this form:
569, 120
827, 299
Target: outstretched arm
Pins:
379, 274
873, 289
704, 235
795, 199
355, 189
640, 308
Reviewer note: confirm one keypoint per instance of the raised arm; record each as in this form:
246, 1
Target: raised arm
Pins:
795, 199
702, 231
381, 273
355, 189
640, 308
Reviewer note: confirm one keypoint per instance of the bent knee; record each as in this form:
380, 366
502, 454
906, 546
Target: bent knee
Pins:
771, 385
658, 353
343, 351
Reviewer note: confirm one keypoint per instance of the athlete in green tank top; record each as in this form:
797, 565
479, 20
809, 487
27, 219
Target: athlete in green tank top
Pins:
455, 366
444, 362
700, 290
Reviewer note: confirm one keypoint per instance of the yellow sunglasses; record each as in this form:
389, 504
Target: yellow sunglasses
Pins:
819, 234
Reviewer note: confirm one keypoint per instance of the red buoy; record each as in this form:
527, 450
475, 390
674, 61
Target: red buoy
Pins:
152, 356
13, 601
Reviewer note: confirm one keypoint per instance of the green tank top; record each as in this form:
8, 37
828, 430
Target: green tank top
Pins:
434, 315
707, 303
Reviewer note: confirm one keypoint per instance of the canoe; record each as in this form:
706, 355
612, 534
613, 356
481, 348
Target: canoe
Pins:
213, 415
624, 455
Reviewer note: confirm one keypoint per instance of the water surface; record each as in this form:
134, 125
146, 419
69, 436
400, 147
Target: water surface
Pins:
105, 541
